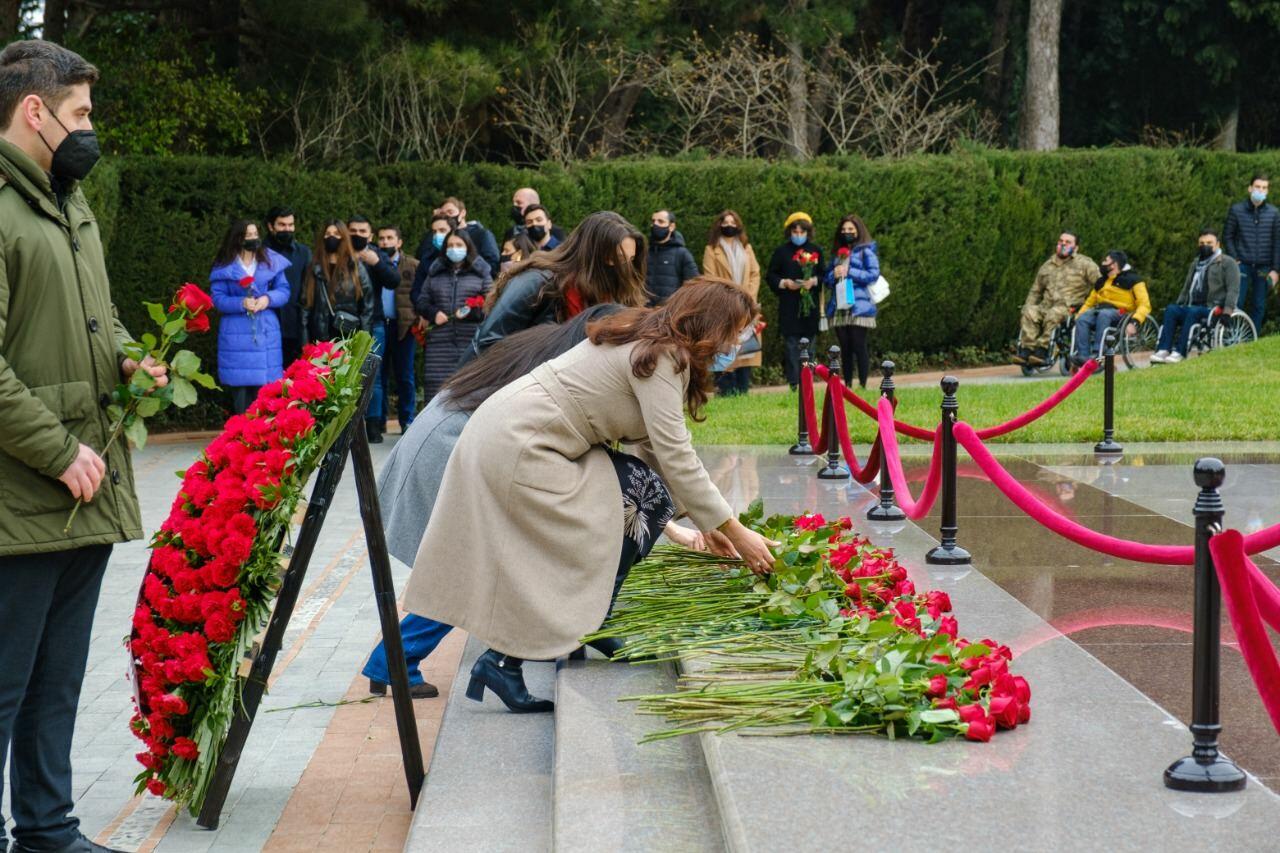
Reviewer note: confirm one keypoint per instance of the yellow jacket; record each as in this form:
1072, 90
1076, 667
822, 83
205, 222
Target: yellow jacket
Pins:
1126, 292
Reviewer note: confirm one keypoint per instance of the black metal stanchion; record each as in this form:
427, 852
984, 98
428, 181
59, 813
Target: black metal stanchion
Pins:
834, 469
1108, 444
948, 553
802, 447
1205, 770
886, 509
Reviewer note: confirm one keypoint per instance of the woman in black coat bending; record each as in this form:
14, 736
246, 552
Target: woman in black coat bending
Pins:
452, 302
793, 276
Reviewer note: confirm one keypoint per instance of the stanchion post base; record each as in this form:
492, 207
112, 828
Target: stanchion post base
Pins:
952, 555
834, 472
1214, 777
886, 512
805, 449
1108, 447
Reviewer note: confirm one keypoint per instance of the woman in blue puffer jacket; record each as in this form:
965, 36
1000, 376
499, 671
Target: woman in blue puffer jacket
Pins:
248, 288
850, 311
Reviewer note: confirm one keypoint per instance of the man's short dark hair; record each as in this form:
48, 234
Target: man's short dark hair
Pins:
39, 67
1259, 176
1073, 235
278, 212
535, 207
358, 218
1209, 232
671, 214
395, 228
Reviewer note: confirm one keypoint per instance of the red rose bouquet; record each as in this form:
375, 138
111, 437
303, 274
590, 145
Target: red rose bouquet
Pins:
807, 260
215, 565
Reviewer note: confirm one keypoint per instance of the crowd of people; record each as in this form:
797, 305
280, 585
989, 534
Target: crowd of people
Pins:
276, 291
1233, 270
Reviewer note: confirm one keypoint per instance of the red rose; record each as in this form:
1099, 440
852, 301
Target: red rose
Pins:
902, 588
1022, 689
853, 591
246, 282
147, 760
938, 602
937, 686
193, 299
1005, 711
173, 704
948, 703
947, 625
475, 301
219, 629
810, 521
969, 713
156, 787
980, 730
199, 323
185, 748
293, 423
307, 389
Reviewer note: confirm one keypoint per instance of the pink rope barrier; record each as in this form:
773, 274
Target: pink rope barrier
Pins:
1045, 406
1252, 603
817, 440
905, 428
866, 474
920, 507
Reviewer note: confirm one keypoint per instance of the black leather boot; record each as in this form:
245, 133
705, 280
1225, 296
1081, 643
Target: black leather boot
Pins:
506, 680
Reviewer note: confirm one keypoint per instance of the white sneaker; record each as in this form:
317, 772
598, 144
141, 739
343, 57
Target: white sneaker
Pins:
1159, 356
1173, 358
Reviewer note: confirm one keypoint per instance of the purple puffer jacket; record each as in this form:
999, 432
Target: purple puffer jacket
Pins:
249, 345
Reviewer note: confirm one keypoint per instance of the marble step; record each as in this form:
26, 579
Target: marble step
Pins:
489, 784
611, 792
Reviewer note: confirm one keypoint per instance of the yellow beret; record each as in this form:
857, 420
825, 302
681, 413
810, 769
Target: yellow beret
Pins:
798, 215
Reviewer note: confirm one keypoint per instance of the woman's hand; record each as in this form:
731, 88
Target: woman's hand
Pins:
810, 283
751, 546
719, 544
250, 305
841, 270
262, 303
441, 319
684, 537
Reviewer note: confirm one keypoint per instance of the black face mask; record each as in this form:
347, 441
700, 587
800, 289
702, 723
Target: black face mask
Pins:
359, 243
282, 239
331, 244
506, 259
75, 155
730, 230
659, 232
1204, 252
252, 245
517, 214
536, 232
847, 239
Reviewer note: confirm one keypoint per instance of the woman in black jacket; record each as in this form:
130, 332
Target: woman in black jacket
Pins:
338, 298
602, 260
793, 275
452, 301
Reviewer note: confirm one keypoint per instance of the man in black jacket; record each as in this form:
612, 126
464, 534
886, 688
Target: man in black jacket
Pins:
670, 263
1252, 237
482, 238
384, 276
521, 200
281, 234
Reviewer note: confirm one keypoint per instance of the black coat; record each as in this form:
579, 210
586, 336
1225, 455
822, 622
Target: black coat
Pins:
522, 305
1252, 234
292, 322
321, 322
446, 290
670, 265
783, 265
384, 276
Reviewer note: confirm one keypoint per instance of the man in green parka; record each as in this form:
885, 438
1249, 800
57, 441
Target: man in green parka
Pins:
60, 357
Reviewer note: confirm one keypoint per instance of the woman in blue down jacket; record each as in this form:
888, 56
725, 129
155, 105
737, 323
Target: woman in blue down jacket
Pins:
851, 312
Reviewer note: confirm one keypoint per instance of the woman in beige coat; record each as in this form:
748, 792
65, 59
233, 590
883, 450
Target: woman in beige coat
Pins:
729, 256
537, 520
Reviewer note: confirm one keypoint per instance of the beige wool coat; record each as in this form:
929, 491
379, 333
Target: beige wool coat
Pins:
524, 542
715, 262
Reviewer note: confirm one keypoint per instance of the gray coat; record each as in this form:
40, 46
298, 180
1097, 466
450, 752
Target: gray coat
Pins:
410, 481
1222, 283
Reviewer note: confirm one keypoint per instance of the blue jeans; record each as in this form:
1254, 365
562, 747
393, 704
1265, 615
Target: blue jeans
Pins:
1089, 328
1253, 292
420, 636
1180, 319
377, 411
399, 364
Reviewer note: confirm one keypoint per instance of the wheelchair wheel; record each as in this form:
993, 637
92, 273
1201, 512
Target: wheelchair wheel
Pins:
1141, 343
1198, 340
1236, 329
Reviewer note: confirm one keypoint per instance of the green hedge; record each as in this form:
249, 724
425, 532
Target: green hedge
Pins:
960, 235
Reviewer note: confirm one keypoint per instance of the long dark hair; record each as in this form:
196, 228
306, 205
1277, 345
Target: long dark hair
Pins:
515, 355
700, 318
231, 244
714, 236
344, 265
864, 236
590, 260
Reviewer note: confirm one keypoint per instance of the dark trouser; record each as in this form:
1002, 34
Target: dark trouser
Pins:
732, 382
1254, 285
791, 360
853, 348
1178, 319
377, 411
290, 350
242, 397
400, 366
46, 613
1090, 326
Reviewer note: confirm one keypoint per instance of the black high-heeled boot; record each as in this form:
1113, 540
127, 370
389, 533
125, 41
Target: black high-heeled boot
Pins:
506, 680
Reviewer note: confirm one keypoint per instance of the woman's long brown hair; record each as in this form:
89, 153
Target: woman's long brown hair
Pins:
591, 260
345, 263
699, 320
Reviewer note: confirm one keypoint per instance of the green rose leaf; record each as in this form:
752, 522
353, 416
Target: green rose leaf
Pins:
185, 363
936, 716
973, 650
136, 432
184, 393
158, 315
147, 407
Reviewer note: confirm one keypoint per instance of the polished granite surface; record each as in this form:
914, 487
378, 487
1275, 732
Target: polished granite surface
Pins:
1134, 618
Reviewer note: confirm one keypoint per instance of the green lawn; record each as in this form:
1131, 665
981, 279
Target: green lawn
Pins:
1231, 394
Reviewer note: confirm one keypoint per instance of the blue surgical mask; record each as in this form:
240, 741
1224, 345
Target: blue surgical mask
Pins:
724, 360
799, 239
437, 240
456, 254
1258, 196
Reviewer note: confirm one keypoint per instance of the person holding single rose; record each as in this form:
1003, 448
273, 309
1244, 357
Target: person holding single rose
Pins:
793, 275
452, 302
850, 310
249, 288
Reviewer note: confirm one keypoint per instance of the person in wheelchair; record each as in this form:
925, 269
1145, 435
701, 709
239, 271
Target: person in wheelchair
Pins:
1119, 294
1061, 284
1211, 288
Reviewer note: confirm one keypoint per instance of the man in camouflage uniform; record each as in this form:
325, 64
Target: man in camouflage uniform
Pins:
1061, 285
